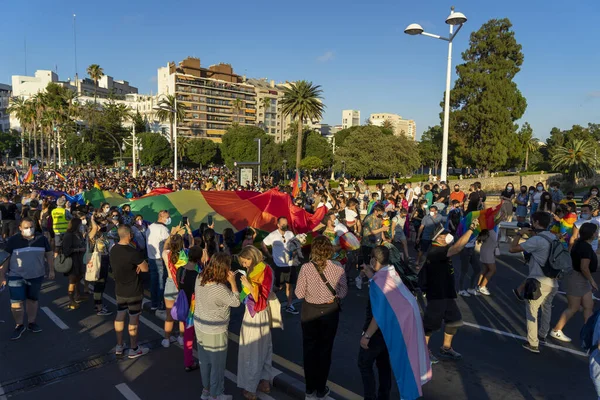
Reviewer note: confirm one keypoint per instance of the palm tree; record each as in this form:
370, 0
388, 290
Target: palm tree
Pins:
165, 113
575, 159
302, 101
22, 111
387, 124
265, 103
530, 146
237, 105
183, 143
96, 73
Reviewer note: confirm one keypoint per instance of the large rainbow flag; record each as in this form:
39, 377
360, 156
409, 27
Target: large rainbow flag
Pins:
488, 219
397, 314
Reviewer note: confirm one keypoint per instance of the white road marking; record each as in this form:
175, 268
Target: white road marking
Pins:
2, 396
59, 322
514, 336
127, 392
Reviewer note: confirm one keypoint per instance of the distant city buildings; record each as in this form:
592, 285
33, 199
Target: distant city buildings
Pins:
350, 118
400, 125
5, 93
269, 115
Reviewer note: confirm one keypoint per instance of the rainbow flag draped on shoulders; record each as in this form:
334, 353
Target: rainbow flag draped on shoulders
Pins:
256, 299
564, 228
397, 314
488, 219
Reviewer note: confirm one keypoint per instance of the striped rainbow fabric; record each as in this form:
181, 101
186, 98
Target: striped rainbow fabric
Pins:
488, 219
396, 311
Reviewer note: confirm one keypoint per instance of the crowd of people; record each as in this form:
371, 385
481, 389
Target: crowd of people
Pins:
195, 276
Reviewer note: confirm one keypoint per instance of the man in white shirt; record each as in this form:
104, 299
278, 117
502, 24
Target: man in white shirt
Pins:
539, 249
410, 194
282, 260
156, 235
417, 191
586, 216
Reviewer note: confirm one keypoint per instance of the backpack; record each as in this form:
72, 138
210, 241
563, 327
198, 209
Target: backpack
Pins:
559, 260
586, 335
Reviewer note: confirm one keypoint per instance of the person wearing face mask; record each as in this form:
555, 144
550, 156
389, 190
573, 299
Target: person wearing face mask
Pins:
586, 216
24, 273
521, 201
426, 230
557, 194
139, 232
537, 197
372, 232
507, 197
546, 204
284, 273
458, 195
74, 247
418, 215
592, 199
570, 197
441, 291
127, 215
474, 200
156, 235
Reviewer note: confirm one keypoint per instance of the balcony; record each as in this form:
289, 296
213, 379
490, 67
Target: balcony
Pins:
215, 85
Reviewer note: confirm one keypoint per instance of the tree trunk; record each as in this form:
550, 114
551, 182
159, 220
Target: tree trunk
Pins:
299, 147
526, 159
35, 149
171, 136
42, 147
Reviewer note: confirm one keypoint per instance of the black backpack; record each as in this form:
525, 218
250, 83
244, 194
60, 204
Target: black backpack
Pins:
559, 261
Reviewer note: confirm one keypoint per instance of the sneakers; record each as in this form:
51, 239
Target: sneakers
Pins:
433, 359
473, 292
222, 397
323, 395
138, 352
73, 305
119, 349
310, 396
154, 308
464, 293
205, 394
167, 342
533, 349
180, 340
559, 335
518, 295
291, 310
103, 312
81, 299
18, 332
33, 327
484, 291
450, 353
542, 340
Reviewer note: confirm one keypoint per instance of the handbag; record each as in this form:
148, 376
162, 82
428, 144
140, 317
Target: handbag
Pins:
181, 308
336, 299
497, 251
274, 309
63, 264
93, 267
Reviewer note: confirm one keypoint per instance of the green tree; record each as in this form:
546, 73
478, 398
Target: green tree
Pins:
166, 113
139, 122
302, 101
202, 151
25, 114
575, 159
265, 104
9, 141
96, 73
341, 135
387, 124
313, 145
237, 105
485, 101
529, 143
430, 147
369, 152
311, 162
238, 144
156, 150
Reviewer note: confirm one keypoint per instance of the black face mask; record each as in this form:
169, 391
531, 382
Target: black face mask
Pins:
523, 190
456, 190
284, 228
569, 197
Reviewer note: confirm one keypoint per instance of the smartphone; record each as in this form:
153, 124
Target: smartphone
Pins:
210, 220
185, 221
241, 272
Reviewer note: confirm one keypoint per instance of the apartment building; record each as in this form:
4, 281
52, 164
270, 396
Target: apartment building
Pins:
215, 97
269, 115
350, 118
5, 93
401, 126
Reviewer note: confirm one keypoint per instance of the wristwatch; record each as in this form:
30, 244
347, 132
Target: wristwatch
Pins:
366, 335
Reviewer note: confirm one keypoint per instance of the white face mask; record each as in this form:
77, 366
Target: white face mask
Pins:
449, 238
28, 232
168, 221
432, 213
84, 222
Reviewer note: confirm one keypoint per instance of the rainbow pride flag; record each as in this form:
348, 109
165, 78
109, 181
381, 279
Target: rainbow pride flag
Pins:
397, 314
60, 176
261, 278
488, 219
97, 185
17, 179
28, 178
296, 188
565, 227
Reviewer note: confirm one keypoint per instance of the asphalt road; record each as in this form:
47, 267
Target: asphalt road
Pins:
77, 362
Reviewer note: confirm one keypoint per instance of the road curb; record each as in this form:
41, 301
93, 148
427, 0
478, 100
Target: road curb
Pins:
291, 386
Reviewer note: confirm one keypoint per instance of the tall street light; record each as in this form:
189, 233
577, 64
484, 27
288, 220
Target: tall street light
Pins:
259, 158
174, 111
454, 19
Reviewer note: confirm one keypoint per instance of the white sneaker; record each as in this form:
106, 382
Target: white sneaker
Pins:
205, 395
484, 290
167, 342
464, 293
120, 349
222, 397
559, 335
473, 292
140, 351
180, 340
358, 282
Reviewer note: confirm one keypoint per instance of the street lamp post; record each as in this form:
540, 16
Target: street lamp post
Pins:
343, 168
174, 111
259, 158
285, 169
136, 145
454, 19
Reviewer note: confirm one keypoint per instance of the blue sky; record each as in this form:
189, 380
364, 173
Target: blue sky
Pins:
357, 52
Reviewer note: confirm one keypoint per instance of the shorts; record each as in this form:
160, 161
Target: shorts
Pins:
438, 311
171, 291
285, 275
424, 245
9, 227
399, 236
21, 289
133, 304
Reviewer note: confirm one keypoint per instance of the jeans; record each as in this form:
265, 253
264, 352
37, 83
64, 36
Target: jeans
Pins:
376, 353
468, 258
531, 311
595, 370
212, 354
158, 277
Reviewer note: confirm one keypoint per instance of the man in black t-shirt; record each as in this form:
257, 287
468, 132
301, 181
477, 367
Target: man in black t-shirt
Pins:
127, 263
443, 197
438, 274
9, 212
474, 200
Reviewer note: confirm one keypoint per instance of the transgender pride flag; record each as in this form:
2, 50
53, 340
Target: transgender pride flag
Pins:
396, 312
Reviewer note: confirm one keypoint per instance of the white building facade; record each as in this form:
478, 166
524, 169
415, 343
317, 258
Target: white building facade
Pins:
401, 126
350, 118
5, 93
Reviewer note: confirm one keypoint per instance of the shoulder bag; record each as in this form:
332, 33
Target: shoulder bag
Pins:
63, 264
336, 299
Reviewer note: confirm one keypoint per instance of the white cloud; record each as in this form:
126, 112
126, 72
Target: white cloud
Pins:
593, 95
325, 57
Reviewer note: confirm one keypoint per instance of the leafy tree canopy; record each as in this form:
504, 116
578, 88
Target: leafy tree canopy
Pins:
157, 151
430, 146
201, 151
311, 162
238, 145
